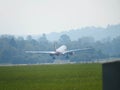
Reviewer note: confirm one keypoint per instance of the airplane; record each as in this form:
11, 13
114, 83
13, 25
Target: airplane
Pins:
62, 50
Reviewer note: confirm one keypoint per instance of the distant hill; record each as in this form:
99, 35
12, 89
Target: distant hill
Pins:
98, 33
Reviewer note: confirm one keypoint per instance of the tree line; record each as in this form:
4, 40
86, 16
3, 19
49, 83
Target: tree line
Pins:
12, 49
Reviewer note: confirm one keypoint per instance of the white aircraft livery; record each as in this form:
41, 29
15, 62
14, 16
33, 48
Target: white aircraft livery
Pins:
62, 50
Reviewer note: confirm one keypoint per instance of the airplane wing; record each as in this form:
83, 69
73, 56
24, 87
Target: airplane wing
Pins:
41, 52
78, 50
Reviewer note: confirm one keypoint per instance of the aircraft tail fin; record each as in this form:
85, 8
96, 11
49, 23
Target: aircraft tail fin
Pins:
55, 46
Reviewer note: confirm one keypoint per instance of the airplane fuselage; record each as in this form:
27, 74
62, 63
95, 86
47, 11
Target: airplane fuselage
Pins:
62, 50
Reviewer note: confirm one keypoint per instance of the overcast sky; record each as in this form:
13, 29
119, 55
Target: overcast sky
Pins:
22, 17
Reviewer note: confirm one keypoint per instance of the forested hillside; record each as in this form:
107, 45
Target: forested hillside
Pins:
98, 33
12, 49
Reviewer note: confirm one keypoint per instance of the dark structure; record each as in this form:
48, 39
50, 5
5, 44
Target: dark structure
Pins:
111, 75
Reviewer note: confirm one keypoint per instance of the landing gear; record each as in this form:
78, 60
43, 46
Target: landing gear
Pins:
53, 57
67, 56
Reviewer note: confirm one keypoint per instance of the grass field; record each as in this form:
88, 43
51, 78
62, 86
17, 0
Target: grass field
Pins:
51, 77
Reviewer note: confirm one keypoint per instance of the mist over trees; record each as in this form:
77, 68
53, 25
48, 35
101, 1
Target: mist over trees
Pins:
12, 49
98, 33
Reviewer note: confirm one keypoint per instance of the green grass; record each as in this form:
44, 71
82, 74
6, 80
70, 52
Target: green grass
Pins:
51, 77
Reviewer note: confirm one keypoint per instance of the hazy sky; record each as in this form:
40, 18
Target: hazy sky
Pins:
44, 16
